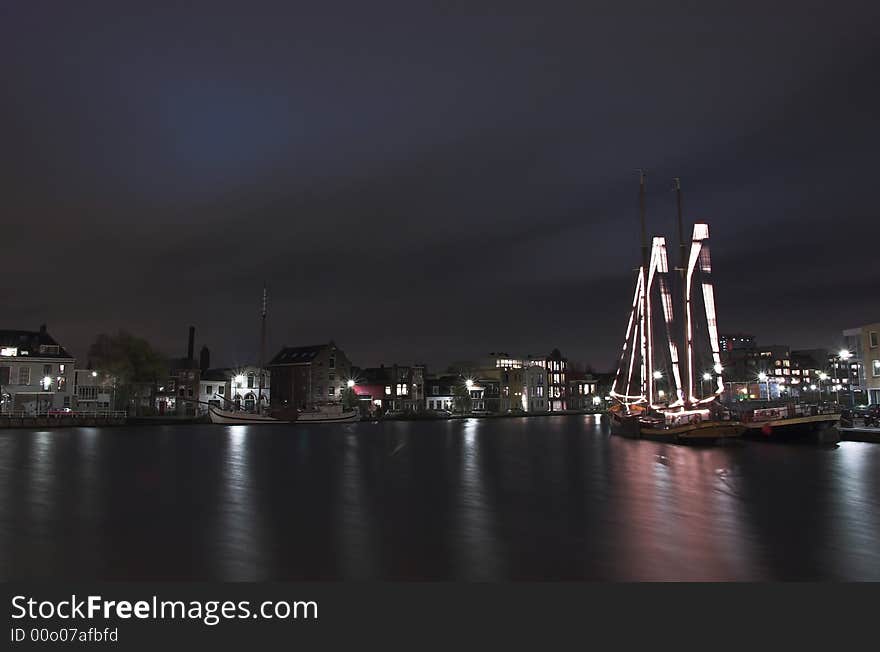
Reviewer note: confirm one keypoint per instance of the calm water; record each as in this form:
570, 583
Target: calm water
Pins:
539, 498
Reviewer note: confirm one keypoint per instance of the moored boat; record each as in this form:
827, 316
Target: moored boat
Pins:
792, 423
234, 417
683, 409
328, 414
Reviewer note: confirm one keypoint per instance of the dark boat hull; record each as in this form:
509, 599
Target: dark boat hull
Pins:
820, 428
703, 432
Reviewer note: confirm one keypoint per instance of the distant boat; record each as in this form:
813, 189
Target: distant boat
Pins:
331, 414
687, 408
233, 417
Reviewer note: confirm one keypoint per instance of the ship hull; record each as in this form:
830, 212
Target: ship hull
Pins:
704, 432
320, 417
820, 428
229, 418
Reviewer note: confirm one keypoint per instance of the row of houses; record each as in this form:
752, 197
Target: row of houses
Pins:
849, 375
310, 376
38, 375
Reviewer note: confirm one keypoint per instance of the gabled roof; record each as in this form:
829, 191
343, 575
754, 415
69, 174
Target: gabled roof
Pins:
298, 354
28, 344
216, 375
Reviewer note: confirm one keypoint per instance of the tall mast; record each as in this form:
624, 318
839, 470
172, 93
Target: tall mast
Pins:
648, 363
262, 346
683, 250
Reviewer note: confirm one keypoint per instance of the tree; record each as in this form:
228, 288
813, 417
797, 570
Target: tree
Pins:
461, 398
129, 360
350, 399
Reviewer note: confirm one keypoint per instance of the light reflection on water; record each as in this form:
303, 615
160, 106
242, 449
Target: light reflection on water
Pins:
538, 498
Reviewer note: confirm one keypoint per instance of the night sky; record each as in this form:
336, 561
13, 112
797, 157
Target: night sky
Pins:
431, 181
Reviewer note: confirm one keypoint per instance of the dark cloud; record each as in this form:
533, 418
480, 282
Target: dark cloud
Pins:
425, 182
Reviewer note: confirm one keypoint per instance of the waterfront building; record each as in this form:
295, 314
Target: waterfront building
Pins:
36, 372
305, 377
534, 388
180, 393
214, 389
95, 390
399, 388
581, 390
557, 381
858, 363
243, 387
440, 391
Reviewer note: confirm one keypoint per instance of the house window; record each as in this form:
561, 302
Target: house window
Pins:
47, 369
435, 389
388, 390
872, 336
24, 376
332, 362
221, 389
250, 381
5, 373
331, 391
209, 389
876, 368
62, 383
331, 376
8, 351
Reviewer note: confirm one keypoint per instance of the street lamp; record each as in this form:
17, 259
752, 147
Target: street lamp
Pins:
350, 383
763, 378
469, 383
707, 377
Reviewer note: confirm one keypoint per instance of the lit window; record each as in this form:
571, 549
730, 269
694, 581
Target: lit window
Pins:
388, 390
331, 390
24, 376
8, 351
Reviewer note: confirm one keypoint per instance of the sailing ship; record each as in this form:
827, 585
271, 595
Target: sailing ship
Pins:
657, 394
328, 414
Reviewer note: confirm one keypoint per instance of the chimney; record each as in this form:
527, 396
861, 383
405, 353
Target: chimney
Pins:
204, 359
192, 344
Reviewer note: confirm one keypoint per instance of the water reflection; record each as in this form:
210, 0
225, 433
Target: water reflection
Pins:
238, 536
531, 498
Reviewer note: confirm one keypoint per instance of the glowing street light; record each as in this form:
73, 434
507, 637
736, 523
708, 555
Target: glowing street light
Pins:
658, 374
764, 378
94, 374
350, 383
844, 354
469, 383
823, 376
707, 376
